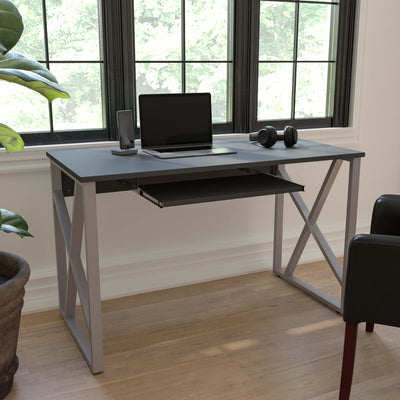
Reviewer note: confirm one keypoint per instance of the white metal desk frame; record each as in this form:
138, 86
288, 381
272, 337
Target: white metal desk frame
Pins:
72, 279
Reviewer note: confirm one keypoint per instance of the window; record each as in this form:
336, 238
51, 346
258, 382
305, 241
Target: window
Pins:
297, 62
181, 47
274, 62
297, 53
64, 36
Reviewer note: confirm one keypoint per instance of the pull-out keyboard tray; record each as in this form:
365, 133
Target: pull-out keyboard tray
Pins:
168, 194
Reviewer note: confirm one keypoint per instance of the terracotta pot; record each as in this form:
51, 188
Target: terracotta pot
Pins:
14, 273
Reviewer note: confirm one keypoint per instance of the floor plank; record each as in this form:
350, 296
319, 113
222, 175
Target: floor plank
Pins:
249, 337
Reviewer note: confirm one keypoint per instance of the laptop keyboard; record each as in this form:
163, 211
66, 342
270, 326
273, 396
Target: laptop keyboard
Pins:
174, 149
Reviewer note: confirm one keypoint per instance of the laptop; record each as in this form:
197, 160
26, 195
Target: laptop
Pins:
177, 125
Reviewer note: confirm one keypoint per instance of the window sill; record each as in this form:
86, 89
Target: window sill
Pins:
33, 158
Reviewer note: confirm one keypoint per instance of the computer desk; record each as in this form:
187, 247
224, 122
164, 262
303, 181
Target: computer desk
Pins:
252, 171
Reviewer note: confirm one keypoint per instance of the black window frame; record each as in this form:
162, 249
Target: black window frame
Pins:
117, 31
344, 58
70, 136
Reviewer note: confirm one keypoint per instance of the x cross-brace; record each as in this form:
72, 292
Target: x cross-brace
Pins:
311, 228
72, 278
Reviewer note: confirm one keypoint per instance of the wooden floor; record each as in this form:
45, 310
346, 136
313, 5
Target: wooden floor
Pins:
246, 338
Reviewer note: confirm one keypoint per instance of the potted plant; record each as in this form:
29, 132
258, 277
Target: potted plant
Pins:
14, 271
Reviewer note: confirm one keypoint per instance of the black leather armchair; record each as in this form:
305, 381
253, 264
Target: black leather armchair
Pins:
372, 288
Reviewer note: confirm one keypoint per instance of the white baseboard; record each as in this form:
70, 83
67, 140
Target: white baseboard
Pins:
144, 272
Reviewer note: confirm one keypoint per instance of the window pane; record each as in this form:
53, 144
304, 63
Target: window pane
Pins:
31, 43
158, 78
274, 91
212, 78
24, 110
277, 22
314, 32
84, 109
157, 30
73, 29
206, 30
312, 82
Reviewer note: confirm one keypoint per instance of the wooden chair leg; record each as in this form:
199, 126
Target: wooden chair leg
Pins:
349, 352
369, 327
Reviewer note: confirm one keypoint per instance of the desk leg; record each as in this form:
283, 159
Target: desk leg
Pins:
59, 237
93, 277
72, 279
351, 214
278, 234
311, 228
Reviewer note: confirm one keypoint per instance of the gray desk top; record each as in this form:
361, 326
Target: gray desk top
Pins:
98, 164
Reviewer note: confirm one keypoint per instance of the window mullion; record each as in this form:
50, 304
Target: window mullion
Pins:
333, 45
295, 59
47, 56
113, 62
253, 45
229, 65
128, 51
245, 64
183, 45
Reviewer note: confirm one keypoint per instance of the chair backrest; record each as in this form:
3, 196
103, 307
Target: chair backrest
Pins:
386, 215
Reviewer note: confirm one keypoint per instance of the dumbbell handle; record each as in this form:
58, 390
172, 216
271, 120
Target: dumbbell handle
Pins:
253, 136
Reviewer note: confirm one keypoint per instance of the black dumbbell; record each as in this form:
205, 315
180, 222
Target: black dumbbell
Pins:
268, 136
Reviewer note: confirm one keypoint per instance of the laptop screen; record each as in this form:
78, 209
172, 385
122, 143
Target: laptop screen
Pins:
175, 119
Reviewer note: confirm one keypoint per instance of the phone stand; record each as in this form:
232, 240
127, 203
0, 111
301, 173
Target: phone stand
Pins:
126, 134
126, 152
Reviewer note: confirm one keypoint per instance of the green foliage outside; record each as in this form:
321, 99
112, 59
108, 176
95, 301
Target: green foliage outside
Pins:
277, 23
208, 38
74, 51
208, 31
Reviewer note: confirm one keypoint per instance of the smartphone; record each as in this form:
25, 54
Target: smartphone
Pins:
126, 132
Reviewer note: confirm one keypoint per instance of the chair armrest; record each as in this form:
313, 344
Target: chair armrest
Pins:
386, 215
372, 287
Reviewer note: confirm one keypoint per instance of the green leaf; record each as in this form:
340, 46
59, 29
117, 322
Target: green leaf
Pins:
10, 139
16, 68
13, 223
11, 26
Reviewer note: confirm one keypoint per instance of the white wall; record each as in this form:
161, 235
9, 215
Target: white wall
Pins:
144, 248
